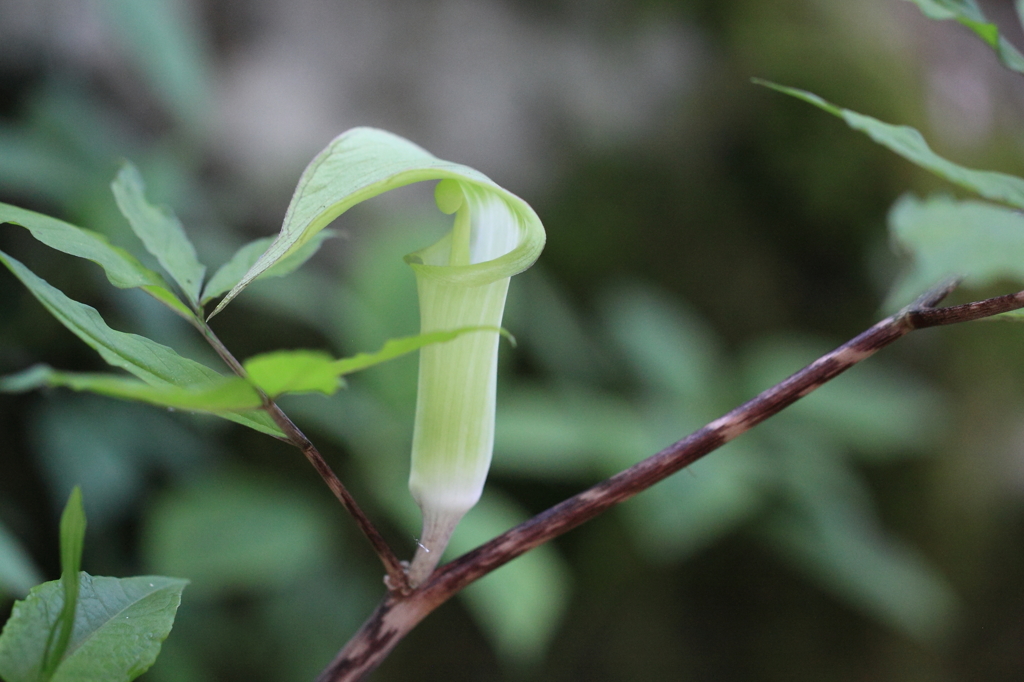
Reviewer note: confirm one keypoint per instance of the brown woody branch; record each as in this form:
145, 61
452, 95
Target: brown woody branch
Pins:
397, 579
396, 575
398, 613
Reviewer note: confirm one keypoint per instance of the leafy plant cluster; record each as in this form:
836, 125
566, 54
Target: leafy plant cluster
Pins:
794, 484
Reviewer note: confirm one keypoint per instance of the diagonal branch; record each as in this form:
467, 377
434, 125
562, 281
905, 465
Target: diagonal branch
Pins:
397, 579
399, 613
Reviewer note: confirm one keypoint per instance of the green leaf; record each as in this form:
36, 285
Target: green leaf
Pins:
569, 434
230, 531
150, 361
122, 269
362, 163
294, 371
908, 143
169, 50
229, 274
980, 242
119, 626
160, 231
171, 300
305, 371
970, 15
232, 271
258, 420
72, 540
17, 572
72, 537
154, 363
829, 530
689, 511
670, 348
227, 394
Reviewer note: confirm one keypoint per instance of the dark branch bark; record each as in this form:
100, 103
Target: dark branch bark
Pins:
398, 614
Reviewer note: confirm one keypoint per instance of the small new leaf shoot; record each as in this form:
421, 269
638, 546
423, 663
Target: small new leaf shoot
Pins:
72, 541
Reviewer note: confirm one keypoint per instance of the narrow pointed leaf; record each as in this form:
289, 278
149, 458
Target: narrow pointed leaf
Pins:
160, 231
229, 274
398, 347
72, 540
908, 143
120, 624
223, 395
305, 371
122, 269
970, 15
258, 420
363, 163
977, 241
148, 360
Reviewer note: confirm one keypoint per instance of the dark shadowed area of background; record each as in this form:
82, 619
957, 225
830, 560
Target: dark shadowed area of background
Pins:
706, 237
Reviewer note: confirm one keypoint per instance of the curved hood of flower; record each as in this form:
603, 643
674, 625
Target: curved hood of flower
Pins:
363, 163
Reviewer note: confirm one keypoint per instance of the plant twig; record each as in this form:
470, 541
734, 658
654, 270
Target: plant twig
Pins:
397, 614
397, 579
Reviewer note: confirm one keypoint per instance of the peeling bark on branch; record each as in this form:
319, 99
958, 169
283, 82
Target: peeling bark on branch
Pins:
398, 614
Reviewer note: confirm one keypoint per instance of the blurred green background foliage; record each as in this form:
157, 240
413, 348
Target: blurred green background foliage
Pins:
706, 238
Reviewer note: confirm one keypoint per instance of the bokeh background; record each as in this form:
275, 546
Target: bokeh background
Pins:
706, 237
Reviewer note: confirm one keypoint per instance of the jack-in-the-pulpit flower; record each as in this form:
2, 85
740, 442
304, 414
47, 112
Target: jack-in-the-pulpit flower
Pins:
462, 281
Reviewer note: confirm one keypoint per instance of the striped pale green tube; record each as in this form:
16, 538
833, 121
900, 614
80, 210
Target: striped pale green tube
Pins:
462, 281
